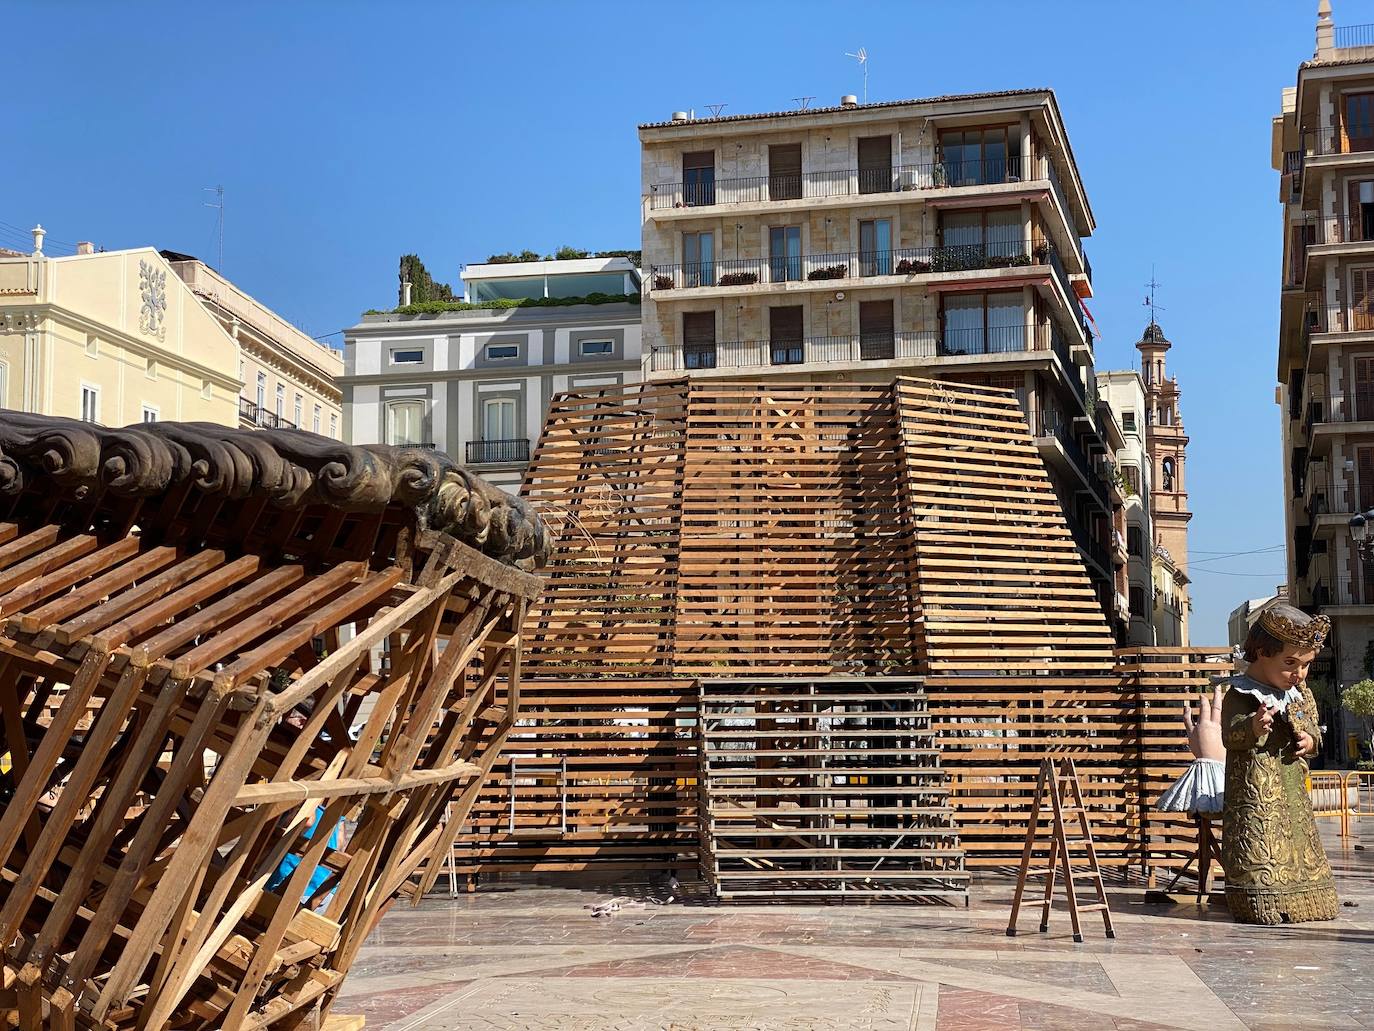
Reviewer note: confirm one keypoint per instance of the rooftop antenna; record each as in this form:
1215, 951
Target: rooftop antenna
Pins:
862, 58
715, 109
803, 102
1149, 301
218, 204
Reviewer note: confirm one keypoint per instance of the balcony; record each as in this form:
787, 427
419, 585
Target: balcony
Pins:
1290, 184
1347, 36
1338, 319
1340, 408
1340, 140
494, 452
1344, 590
251, 414
857, 265
846, 182
1053, 425
862, 347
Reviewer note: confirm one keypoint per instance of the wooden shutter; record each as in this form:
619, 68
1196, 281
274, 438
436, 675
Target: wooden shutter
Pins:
699, 328
875, 164
1364, 389
785, 172
785, 324
1364, 479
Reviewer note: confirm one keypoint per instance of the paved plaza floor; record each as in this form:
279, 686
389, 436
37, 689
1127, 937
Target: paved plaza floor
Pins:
519, 956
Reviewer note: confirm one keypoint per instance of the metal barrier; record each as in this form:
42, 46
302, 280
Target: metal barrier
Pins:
1330, 794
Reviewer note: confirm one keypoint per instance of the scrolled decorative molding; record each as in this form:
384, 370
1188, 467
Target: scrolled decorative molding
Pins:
290, 468
19, 320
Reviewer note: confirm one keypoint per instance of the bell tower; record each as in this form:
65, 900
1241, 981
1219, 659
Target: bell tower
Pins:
1166, 442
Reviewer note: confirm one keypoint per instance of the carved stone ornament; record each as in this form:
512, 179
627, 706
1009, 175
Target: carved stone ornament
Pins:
152, 285
18, 320
288, 468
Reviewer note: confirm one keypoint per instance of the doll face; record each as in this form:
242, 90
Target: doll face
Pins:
1284, 669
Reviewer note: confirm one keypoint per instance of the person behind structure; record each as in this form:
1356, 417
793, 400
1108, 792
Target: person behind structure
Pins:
1276, 868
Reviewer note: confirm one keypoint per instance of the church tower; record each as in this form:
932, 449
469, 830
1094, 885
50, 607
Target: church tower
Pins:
1167, 445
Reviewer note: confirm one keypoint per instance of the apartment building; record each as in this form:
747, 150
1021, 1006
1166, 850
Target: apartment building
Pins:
863, 241
1124, 391
1323, 148
113, 337
474, 378
289, 378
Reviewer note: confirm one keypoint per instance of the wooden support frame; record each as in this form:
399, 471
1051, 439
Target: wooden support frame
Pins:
216, 792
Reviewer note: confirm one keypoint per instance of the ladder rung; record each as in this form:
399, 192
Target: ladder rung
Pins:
1091, 907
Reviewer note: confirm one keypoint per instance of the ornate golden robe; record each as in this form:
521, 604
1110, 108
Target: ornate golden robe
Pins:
1276, 868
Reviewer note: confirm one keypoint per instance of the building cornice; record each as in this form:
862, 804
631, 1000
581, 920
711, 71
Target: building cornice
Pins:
517, 372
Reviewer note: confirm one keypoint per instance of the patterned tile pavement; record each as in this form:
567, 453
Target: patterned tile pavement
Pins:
518, 956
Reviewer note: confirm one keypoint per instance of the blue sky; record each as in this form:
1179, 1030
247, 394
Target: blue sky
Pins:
346, 133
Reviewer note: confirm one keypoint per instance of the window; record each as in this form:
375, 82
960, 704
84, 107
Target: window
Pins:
1137, 600
207, 389
699, 177
1167, 468
596, 348
405, 422
4, 384
875, 330
990, 323
92, 345
785, 334
1131, 475
785, 171
296, 411
498, 418
1359, 122
1128, 421
281, 401
972, 157
151, 370
699, 340
502, 352
149, 413
975, 239
875, 164
784, 253
1134, 541
407, 356
698, 259
90, 403
262, 390
315, 424
875, 247
333, 425
1360, 213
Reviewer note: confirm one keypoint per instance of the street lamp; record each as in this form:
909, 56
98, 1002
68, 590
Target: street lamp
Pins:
1359, 533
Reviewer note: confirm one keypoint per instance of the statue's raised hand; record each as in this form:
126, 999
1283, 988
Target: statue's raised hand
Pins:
1204, 732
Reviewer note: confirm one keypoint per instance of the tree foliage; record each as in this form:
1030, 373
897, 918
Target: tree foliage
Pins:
1359, 698
423, 287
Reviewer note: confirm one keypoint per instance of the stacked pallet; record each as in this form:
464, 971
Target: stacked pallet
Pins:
826, 787
213, 795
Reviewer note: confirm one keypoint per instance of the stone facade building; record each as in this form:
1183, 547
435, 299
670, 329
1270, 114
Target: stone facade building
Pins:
476, 382
289, 378
1323, 150
111, 337
938, 237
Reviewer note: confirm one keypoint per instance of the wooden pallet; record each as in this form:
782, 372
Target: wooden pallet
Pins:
824, 787
187, 623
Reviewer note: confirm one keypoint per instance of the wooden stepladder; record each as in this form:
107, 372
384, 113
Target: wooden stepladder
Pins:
1052, 787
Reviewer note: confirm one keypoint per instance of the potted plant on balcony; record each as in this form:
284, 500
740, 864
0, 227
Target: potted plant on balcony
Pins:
1020, 260
827, 272
739, 279
663, 282
998, 261
1041, 252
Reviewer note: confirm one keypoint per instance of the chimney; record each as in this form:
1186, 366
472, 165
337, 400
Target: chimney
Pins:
38, 233
1326, 31
405, 292
85, 247
849, 100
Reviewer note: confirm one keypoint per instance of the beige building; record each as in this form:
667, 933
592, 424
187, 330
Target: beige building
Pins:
1124, 392
289, 378
865, 241
113, 337
1323, 148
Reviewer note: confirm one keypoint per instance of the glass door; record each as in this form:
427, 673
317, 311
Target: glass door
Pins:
784, 253
698, 259
875, 247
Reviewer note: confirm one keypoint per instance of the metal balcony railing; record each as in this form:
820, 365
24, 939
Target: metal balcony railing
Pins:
1052, 423
843, 182
261, 417
1345, 139
1354, 36
1335, 408
1343, 590
1339, 498
902, 261
483, 452
1339, 319
914, 344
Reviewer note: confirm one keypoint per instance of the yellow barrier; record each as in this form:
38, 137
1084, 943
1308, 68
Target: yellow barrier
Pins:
1363, 782
1330, 794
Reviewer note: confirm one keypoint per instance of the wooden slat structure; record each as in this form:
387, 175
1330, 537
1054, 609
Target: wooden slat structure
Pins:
765, 533
825, 787
214, 791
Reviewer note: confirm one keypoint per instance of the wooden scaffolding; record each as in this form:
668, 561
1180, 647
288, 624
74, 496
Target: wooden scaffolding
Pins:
242, 677
766, 533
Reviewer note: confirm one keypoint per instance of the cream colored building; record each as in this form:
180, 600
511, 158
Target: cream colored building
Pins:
289, 378
113, 337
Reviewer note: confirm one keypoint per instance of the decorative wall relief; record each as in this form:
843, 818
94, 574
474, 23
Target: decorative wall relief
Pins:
152, 284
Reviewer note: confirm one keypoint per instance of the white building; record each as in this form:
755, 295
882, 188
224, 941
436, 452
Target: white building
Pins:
1124, 391
476, 381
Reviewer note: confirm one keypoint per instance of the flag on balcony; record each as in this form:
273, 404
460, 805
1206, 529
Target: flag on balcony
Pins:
1096, 333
